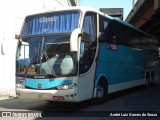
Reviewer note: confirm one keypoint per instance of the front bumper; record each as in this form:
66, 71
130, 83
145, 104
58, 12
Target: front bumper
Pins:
49, 95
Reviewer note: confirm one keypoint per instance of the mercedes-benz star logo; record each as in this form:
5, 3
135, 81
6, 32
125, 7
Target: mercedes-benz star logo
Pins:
39, 86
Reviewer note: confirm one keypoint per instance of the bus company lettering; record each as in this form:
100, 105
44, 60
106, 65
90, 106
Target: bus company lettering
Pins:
112, 47
48, 19
39, 77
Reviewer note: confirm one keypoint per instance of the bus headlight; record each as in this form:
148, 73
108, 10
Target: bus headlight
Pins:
20, 86
66, 87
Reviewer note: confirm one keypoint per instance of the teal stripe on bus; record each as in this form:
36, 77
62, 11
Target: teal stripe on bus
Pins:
46, 83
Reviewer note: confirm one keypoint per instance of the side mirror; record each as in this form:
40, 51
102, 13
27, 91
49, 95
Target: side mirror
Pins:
4, 48
74, 40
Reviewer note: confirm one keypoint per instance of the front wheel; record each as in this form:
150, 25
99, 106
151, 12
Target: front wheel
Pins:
101, 93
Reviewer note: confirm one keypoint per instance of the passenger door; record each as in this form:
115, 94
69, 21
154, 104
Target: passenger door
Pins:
87, 64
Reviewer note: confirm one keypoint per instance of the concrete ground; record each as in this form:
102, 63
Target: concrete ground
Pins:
7, 94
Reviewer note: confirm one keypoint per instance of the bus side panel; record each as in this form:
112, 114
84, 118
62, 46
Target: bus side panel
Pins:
85, 84
121, 66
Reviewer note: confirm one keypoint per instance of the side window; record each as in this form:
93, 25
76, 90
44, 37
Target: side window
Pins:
135, 39
89, 25
88, 42
121, 33
103, 29
113, 32
84, 56
103, 24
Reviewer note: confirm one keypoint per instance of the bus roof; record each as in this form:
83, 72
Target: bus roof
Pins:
85, 9
78, 8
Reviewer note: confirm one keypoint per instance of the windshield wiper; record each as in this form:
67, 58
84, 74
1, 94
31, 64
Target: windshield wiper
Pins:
51, 69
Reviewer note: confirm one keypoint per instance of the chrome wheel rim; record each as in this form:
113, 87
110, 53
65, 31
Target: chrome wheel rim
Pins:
100, 92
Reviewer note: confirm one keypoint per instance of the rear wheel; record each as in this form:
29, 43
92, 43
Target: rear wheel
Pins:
147, 77
152, 77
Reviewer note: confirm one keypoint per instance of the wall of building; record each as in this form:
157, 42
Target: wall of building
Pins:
12, 14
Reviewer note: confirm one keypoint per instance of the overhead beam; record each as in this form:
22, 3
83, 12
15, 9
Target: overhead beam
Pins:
73, 2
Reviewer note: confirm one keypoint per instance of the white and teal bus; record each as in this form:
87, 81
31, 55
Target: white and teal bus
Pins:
79, 53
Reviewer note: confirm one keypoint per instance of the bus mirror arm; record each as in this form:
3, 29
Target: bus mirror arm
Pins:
17, 36
74, 40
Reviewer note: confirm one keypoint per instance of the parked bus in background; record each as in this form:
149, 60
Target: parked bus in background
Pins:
80, 53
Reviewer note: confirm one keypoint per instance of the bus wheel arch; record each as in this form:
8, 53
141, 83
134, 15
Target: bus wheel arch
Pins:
101, 90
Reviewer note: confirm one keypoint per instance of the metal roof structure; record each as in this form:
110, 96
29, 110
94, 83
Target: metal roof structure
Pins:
146, 16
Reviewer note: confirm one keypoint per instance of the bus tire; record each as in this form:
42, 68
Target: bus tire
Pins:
52, 102
147, 80
152, 77
101, 93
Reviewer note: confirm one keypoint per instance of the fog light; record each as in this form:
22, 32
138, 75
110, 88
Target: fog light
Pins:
20, 86
66, 87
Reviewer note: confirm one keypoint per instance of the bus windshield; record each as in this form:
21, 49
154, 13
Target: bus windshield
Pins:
46, 55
